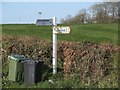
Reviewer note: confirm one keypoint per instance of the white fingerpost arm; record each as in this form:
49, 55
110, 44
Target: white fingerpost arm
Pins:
54, 48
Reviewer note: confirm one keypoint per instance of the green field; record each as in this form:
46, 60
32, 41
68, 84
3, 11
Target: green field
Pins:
100, 33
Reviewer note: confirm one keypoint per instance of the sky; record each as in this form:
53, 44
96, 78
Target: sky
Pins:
27, 12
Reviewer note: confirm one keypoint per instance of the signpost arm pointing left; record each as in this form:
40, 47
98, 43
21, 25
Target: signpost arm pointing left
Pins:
54, 48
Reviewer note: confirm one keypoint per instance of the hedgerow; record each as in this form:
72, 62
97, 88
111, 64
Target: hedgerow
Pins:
89, 62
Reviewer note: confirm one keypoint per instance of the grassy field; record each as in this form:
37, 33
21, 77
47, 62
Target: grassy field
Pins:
94, 32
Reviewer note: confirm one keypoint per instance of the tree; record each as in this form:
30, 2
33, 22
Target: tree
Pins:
83, 15
66, 20
98, 13
63, 21
114, 10
105, 12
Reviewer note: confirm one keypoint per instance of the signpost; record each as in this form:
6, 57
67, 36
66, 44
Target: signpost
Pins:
61, 30
56, 30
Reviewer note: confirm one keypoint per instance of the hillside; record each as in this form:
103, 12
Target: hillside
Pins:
93, 32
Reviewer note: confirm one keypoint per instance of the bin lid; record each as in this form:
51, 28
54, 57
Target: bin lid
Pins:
32, 61
16, 57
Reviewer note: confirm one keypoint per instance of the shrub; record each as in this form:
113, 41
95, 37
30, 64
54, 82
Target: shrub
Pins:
89, 61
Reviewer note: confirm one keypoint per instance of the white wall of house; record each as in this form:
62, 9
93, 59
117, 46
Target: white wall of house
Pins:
44, 22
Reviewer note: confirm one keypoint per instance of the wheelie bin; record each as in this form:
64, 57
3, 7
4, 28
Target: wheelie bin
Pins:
32, 71
16, 67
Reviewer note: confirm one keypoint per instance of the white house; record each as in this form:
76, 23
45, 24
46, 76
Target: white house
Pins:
44, 22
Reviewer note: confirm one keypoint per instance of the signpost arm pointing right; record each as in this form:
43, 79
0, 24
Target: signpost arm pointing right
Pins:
56, 30
54, 47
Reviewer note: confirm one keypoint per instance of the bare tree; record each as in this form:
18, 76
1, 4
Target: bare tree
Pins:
98, 13
66, 20
63, 21
105, 12
83, 15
